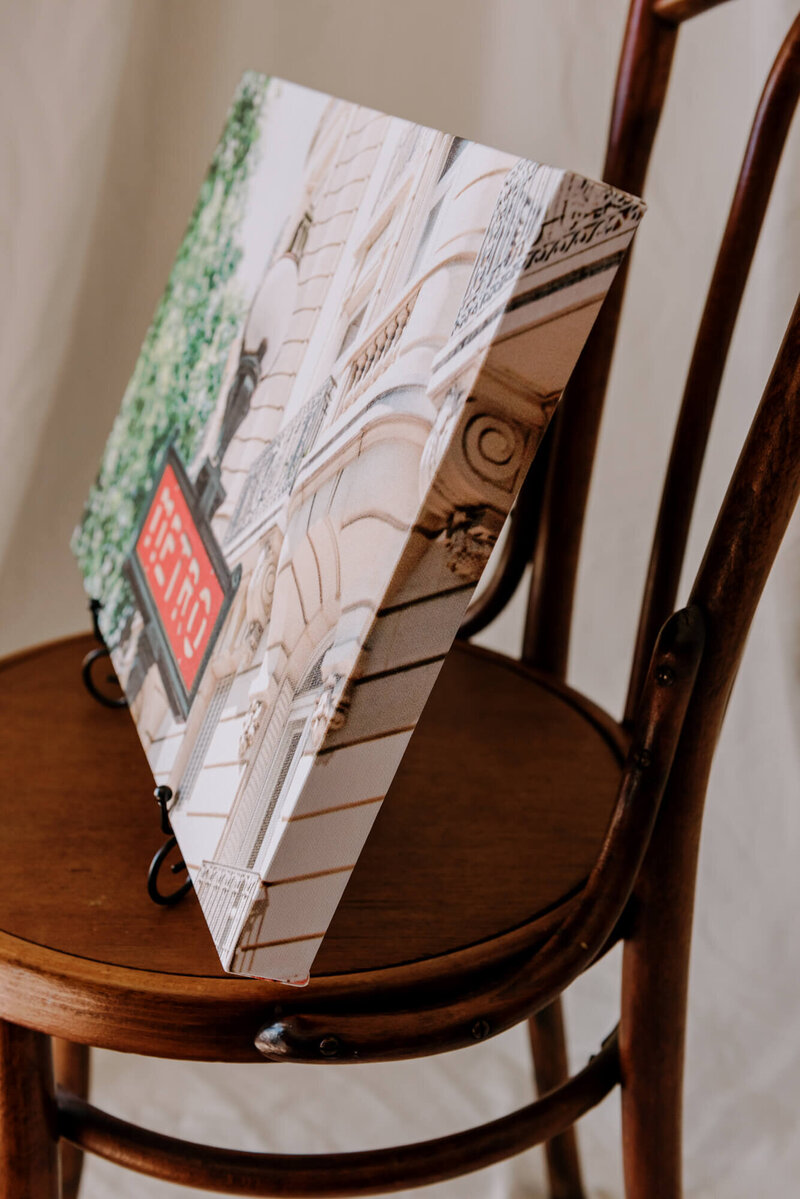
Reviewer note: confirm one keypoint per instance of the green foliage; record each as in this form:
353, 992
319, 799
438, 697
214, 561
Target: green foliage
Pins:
177, 377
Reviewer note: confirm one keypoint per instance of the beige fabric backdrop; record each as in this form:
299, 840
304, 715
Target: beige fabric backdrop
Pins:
109, 111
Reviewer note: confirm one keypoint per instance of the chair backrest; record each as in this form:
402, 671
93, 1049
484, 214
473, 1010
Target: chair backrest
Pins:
547, 523
641, 888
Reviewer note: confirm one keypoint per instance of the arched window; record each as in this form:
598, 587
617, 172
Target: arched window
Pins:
202, 742
277, 779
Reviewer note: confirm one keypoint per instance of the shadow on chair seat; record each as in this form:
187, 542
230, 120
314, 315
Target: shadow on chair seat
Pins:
493, 822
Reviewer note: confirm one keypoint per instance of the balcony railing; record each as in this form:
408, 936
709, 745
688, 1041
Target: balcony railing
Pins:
272, 475
226, 895
372, 357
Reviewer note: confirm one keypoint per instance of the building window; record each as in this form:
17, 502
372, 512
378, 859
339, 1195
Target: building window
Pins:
203, 740
351, 332
456, 146
275, 782
300, 237
424, 240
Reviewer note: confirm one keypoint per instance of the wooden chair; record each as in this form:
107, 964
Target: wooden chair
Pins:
591, 835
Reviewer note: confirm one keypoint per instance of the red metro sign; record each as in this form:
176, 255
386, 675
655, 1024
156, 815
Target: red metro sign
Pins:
179, 572
182, 583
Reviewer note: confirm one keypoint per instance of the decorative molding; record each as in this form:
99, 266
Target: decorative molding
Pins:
506, 242
331, 709
374, 355
589, 213
494, 448
440, 435
586, 213
469, 538
253, 635
250, 726
258, 600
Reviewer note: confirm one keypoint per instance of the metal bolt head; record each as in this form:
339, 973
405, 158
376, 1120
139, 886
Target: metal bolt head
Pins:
329, 1046
642, 758
480, 1030
163, 795
665, 676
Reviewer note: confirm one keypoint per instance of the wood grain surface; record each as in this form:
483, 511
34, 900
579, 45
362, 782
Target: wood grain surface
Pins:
496, 815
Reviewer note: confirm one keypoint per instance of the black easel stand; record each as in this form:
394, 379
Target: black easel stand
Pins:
94, 656
163, 794
165, 899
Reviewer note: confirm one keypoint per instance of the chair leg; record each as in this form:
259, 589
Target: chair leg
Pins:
28, 1118
549, 1047
71, 1068
651, 1040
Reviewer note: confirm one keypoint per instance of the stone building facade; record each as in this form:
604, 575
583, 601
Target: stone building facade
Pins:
375, 421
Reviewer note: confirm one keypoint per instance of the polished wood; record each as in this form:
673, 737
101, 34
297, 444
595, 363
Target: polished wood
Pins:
549, 1049
28, 1116
676, 11
554, 529
391, 1029
753, 189
536, 828
71, 1070
488, 851
375, 1171
754, 516
641, 87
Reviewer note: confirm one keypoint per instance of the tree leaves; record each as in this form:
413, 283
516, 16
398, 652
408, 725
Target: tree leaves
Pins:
178, 374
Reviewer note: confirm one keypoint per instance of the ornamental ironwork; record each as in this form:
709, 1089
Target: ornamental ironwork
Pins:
272, 475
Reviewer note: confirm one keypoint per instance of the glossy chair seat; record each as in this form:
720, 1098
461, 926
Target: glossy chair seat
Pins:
493, 824
525, 832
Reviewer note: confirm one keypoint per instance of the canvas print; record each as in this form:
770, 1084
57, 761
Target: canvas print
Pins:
361, 342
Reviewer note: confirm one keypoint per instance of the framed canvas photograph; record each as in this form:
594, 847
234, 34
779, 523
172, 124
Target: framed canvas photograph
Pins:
365, 333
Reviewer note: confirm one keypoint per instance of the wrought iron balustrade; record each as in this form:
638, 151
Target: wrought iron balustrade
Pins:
272, 475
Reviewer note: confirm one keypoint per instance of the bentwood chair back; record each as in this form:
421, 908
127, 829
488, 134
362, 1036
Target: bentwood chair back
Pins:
590, 838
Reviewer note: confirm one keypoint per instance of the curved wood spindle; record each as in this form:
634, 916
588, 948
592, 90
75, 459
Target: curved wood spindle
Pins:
759, 168
754, 516
28, 1134
752, 521
374, 1171
454, 1022
71, 1068
642, 80
549, 1050
676, 11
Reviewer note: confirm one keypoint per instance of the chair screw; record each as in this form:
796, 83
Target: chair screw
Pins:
480, 1030
329, 1046
665, 676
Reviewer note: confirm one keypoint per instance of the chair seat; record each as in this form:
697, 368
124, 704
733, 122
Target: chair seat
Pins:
489, 830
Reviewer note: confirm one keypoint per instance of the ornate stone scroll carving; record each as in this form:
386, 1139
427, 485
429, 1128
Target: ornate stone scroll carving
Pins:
331, 709
494, 448
253, 635
250, 726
